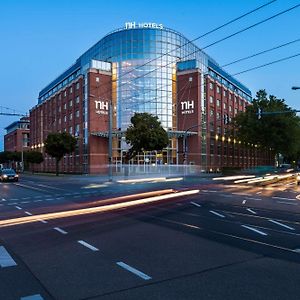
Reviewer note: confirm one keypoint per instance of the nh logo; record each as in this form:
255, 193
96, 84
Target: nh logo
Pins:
101, 105
187, 105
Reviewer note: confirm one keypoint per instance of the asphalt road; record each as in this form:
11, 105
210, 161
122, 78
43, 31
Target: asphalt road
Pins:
225, 241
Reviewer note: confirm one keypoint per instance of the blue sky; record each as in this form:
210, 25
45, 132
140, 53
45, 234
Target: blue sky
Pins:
40, 39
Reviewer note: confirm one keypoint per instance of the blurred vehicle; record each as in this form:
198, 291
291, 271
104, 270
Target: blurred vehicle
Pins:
8, 175
298, 178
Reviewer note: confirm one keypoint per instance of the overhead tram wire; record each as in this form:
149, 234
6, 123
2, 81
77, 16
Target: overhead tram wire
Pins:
214, 43
267, 64
248, 70
259, 53
203, 35
190, 41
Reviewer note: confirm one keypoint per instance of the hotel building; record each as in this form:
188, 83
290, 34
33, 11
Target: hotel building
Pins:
144, 67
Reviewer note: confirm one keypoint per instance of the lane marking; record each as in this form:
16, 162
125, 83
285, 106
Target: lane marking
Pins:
196, 204
255, 230
28, 213
252, 211
217, 214
241, 194
244, 201
256, 199
60, 230
280, 224
25, 202
133, 270
289, 203
88, 245
5, 259
18, 207
3, 199
49, 199
283, 198
258, 193
43, 221
32, 297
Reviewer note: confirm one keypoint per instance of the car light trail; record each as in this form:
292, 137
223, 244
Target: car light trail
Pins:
93, 210
234, 177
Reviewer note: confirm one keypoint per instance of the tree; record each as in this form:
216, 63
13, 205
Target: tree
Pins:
145, 134
59, 144
277, 128
33, 157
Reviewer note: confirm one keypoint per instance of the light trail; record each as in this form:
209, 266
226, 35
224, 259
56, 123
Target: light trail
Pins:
94, 210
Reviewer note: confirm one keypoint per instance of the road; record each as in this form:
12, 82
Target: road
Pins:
222, 241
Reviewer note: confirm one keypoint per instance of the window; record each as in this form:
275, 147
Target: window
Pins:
77, 99
70, 117
230, 108
97, 79
77, 128
218, 116
211, 99
225, 105
65, 118
77, 113
65, 106
71, 90
71, 130
218, 89
218, 102
77, 86
235, 111
59, 109
65, 93
70, 103
211, 113
59, 121
224, 93
211, 85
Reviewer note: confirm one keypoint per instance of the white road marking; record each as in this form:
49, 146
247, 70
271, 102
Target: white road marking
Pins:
18, 207
289, 203
5, 259
258, 193
280, 224
255, 230
24, 202
49, 199
244, 201
3, 199
241, 194
227, 196
133, 270
196, 204
252, 211
257, 199
43, 221
283, 198
88, 245
28, 213
60, 230
33, 297
217, 214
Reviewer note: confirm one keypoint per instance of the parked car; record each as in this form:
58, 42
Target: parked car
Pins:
8, 175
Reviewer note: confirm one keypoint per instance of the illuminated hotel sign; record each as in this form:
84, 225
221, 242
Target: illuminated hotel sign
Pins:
133, 25
187, 107
101, 107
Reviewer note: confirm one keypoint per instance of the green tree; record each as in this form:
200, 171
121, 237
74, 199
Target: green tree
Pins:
33, 157
277, 130
59, 144
145, 134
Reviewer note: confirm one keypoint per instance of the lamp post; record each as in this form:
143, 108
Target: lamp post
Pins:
110, 141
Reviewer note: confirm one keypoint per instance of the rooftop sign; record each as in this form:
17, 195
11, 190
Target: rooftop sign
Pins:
133, 25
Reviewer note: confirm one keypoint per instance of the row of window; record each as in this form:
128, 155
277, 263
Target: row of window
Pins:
61, 85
